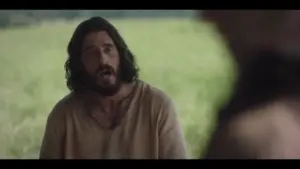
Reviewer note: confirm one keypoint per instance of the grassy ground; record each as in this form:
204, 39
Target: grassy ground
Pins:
184, 59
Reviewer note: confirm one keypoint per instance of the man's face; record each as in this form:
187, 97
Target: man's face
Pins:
101, 59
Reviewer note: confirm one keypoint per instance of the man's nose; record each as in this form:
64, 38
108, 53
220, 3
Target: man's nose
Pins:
103, 58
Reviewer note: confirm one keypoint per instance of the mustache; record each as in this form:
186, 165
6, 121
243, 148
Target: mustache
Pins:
105, 67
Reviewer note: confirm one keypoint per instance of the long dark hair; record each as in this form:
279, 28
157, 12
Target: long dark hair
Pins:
75, 74
270, 76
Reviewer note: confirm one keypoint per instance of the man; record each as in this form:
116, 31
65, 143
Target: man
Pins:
262, 119
110, 113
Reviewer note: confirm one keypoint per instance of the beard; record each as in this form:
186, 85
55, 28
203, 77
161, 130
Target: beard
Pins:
105, 81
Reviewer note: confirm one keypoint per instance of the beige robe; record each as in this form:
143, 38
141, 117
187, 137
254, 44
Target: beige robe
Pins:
149, 129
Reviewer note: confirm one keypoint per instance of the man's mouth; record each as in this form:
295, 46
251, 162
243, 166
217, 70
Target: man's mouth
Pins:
105, 73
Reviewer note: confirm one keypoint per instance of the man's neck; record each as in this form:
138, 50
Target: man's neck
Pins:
125, 90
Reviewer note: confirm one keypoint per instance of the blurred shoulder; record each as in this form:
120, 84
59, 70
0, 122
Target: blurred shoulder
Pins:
266, 117
270, 130
263, 124
251, 134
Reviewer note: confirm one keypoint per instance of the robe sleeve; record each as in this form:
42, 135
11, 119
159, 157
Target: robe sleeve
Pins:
53, 140
171, 140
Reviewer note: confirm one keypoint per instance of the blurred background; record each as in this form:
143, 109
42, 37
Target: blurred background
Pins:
177, 52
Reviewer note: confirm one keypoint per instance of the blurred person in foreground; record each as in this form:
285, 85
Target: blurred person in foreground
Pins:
110, 113
262, 119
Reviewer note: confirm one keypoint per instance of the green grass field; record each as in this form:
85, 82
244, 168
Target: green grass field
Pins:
185, 59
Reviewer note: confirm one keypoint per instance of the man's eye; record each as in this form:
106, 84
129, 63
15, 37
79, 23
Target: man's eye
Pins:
107, 49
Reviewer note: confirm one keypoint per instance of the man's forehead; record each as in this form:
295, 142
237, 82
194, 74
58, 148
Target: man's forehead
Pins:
97, 38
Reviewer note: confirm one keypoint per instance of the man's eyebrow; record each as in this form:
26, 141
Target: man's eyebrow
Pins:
108, 44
